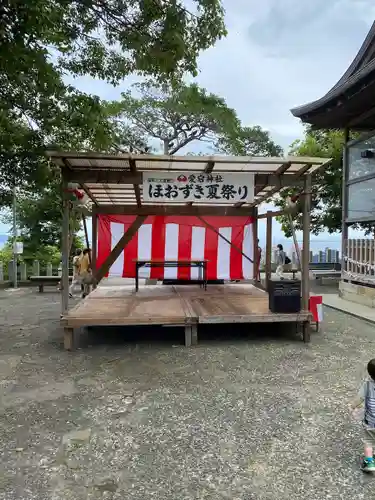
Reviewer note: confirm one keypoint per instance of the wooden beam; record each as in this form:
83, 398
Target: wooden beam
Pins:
107, 192
65, 250
173, 210
94, 245
103, 176
137, 191
89, 193
277, 178
255, 246
369, 113
306, 244
344, 202
269, 216
121, 244
209, 167
262, 160
225, 239
86, 233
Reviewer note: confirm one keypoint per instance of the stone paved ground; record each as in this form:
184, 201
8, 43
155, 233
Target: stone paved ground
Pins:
262, 417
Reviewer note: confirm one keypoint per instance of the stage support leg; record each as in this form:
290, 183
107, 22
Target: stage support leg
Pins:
194, 334
306, 332
69, 339
188, 335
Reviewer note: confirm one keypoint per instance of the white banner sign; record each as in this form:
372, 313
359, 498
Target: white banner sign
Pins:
167, 187
18, 247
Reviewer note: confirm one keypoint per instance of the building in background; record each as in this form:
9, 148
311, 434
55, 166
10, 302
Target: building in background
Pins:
350, 106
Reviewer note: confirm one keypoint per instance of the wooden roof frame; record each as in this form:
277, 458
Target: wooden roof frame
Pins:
113, 182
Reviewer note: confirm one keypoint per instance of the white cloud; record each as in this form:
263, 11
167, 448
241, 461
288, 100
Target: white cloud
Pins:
277, 55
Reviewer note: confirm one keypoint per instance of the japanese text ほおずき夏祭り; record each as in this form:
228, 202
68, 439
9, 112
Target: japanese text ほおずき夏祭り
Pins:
210, 188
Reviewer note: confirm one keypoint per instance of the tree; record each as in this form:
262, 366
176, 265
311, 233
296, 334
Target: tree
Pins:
43, 40
43, 254
39, 219
169, 117
106, 40
327, 185
248, 141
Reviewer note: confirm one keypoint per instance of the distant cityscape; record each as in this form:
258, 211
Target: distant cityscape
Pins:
321, 256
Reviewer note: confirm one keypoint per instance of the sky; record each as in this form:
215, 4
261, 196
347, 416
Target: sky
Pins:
278, 54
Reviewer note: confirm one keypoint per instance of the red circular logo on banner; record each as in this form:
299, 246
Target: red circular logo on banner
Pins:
182, 178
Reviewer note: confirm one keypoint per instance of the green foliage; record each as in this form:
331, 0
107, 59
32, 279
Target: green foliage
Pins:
44, 254
248, 141
6, 254
39, 217
170, 115
327, 183
42, 40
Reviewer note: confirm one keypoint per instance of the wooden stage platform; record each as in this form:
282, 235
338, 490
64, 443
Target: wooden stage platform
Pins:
185, 306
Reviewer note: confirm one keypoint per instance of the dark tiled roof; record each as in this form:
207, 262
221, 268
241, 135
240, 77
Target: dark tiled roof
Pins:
330, 110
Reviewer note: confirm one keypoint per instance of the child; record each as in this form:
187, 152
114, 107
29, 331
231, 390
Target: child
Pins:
367, 398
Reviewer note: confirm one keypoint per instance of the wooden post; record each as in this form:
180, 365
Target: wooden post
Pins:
85, 231
345, 177
94, 245
306, 244
121, 244
65, 250
256, 263
268, 249
68, 339
188, 335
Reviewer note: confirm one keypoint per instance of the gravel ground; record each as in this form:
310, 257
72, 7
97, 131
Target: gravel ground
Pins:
253, 415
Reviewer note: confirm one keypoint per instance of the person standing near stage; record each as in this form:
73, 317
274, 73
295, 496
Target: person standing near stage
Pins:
85, 271
259, 258
76, 281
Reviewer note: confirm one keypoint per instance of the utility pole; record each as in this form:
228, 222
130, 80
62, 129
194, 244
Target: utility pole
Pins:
14, 238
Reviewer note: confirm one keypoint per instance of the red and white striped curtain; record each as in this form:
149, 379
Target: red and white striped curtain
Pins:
181, 238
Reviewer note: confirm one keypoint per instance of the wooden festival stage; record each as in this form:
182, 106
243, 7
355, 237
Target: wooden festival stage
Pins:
185, 306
